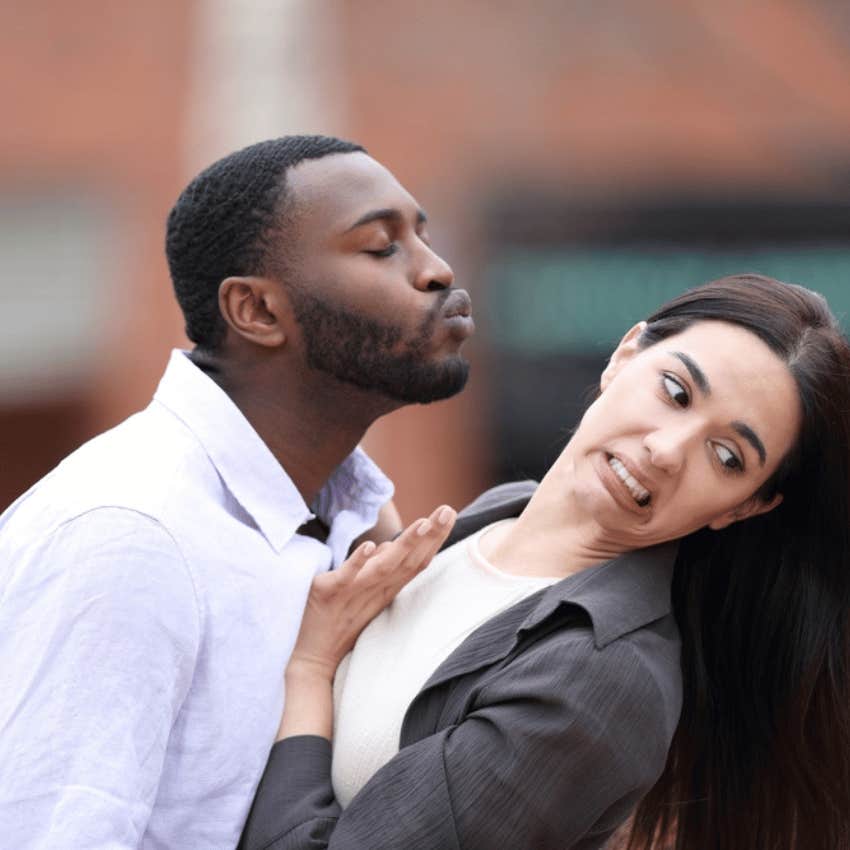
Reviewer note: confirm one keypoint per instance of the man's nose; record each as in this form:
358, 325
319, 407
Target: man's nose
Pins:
433, 272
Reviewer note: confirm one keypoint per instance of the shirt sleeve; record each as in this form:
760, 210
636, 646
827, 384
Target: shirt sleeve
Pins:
550, 756
99, 630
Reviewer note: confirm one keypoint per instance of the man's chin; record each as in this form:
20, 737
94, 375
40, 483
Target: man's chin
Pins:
401, 380
452, 378
429, 383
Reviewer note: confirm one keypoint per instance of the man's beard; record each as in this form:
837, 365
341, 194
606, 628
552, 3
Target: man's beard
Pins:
375, 356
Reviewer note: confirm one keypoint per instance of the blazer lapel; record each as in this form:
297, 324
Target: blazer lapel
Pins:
643, 577
489, 643
485, 646
497, 637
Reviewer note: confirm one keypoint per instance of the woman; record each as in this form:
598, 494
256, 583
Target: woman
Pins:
542, 654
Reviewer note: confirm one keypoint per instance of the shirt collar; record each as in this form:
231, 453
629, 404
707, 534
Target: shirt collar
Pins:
350, 501
355, 491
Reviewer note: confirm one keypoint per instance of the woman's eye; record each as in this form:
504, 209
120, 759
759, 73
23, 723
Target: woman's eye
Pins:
675, 390
728, 458
385, 252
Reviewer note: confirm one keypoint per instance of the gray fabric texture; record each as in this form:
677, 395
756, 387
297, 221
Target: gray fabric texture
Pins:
541, 731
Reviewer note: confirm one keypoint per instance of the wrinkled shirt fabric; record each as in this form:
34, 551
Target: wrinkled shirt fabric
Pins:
151, 589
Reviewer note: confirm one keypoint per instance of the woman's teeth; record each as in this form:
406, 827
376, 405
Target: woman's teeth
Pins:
639, 494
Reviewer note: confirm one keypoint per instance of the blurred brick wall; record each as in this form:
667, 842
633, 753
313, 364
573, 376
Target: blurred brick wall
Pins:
92, 97
461, 99
465, 99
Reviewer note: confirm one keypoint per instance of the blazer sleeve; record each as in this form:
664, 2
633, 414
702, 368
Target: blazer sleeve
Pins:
549, 755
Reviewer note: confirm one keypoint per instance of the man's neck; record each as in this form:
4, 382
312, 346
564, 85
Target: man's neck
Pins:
309, 424
308, 443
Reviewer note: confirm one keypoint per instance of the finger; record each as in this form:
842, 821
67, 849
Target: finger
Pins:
393, 551
415, 551
445, 517
436, 527
395, 563
440, 524
357, 560
388, 557
445, 522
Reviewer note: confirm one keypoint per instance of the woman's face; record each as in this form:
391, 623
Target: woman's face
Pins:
682, 436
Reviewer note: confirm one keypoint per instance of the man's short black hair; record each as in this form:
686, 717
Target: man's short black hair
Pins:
219, 225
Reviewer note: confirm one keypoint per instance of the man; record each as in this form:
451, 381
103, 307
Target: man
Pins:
152, 585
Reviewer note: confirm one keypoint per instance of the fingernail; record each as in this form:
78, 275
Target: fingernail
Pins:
424, 528
444, 516
369, 547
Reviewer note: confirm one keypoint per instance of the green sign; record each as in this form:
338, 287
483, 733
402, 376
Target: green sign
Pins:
582, 301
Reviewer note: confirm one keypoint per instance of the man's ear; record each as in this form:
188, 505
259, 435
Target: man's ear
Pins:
752, 507
624, 352
255, 308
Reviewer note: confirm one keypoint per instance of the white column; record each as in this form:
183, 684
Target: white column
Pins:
260, 69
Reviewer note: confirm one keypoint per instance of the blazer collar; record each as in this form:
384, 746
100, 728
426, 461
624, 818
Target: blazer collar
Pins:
619, 596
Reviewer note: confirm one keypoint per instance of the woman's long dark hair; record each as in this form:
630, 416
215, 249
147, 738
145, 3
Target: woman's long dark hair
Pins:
761, 757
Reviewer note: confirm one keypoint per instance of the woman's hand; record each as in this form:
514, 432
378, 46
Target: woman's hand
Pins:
340, 605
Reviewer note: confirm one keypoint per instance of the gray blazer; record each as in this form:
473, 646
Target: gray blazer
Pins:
541, 731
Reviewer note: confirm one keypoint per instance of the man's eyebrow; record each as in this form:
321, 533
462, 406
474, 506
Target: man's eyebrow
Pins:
752, 438
386, 214
696, 373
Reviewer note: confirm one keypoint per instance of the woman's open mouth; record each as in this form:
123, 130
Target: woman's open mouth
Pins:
639, 493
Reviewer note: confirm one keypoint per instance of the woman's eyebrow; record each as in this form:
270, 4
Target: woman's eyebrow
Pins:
752, 438
696, 373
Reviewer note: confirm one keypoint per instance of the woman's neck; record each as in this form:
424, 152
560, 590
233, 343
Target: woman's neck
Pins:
540, 545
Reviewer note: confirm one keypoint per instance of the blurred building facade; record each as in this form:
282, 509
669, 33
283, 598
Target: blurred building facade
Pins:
579, 163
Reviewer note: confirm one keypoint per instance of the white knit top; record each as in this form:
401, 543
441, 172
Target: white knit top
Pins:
400, 649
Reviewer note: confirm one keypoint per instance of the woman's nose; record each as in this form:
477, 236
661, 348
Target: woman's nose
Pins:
667, 448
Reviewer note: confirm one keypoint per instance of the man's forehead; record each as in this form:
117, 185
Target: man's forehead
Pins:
340, 187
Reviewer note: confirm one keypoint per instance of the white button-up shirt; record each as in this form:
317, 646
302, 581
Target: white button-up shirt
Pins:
151, 589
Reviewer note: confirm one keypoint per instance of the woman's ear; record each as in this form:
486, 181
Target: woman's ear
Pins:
624, 352
752, 507
253, 307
